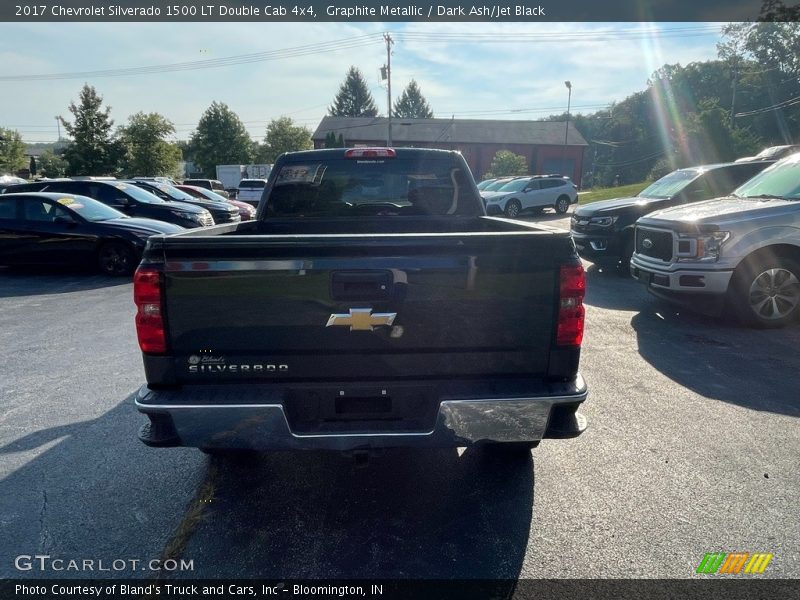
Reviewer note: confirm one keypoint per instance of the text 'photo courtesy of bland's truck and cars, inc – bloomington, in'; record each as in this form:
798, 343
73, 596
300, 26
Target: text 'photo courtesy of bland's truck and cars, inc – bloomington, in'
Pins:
388, 305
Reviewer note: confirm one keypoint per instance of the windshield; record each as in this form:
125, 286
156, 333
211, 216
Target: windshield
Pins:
139, 194
515, 185
669, 185
90, 209
496, 185
172, 192
208, 194
781, 180
252, 183
484, 184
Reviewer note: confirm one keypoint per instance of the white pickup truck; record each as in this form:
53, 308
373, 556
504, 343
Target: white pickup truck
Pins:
739, 253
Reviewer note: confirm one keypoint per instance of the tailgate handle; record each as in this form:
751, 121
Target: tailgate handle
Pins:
361, 285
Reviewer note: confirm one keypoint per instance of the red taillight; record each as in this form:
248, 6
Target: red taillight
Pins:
370, 153
572, 288
149, 319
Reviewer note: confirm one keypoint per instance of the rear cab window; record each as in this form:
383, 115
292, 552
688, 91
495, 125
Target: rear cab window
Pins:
405, 185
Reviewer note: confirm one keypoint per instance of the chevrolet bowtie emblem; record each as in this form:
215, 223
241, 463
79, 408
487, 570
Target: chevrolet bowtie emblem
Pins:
361, 319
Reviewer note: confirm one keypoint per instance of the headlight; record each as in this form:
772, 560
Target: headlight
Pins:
602, 221
701, 248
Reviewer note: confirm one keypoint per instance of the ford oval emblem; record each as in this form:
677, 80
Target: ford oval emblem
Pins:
647, 243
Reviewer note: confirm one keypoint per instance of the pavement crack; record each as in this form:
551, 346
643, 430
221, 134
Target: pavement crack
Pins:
45, 538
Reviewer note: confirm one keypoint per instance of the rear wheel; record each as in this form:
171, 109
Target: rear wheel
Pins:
513, 208
562, 204
116, 258
766, 293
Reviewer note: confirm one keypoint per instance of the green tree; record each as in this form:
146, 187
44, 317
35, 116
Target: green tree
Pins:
412, 104
334, 141
220, 139
147, 151
507, 163
284, 136
52, 164
92, 150
12, 151
354, 98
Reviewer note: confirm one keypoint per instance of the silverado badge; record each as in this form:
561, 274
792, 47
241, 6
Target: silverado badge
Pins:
361, 319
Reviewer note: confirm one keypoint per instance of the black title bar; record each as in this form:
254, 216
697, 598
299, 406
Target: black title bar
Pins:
383, 10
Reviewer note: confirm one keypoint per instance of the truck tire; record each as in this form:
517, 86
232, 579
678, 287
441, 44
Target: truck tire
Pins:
562, 205
513, 208
766, 292
116, 258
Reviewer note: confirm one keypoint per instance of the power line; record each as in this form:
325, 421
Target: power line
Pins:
318, 48
780, 105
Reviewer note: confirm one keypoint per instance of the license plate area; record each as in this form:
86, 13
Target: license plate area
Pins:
362, 409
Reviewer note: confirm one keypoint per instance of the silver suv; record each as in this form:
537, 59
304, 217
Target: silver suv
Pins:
533, 193
739, 253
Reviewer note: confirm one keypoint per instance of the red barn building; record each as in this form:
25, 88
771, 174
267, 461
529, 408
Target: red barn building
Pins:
540, 142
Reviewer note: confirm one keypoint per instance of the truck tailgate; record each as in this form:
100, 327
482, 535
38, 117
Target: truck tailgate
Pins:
344, 307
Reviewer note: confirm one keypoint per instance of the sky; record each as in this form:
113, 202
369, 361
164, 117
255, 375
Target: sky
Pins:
466, 70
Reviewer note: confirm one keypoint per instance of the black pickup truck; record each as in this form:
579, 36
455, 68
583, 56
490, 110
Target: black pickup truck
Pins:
372, 303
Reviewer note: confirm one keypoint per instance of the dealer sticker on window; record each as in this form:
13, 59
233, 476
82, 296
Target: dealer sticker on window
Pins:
66, 201
300, 174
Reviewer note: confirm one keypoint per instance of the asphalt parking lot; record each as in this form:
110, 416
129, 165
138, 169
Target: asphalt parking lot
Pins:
693, 447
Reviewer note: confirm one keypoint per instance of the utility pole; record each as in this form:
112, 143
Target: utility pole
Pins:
58, 124
566, 127
734, 74
389, 41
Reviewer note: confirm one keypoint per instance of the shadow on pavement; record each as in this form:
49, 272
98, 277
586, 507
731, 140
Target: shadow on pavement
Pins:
35, 281
91, 490
406, 514
722, 360
608, 287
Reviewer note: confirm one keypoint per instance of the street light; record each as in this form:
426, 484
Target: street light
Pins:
566, 126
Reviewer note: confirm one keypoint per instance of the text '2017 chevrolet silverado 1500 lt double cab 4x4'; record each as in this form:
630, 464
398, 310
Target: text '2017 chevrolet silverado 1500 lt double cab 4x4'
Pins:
372, 303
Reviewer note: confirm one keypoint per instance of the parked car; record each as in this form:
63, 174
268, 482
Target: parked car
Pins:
215, 185
60, 229
740, 253
250, 190
9, 180
483, 184
773, 153
603, 230
126, 198
222, 212
246, 211
533, 193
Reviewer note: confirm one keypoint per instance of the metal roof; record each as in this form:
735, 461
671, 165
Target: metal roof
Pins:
471, 131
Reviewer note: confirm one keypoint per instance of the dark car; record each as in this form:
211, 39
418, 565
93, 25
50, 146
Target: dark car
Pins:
223, 212
126, 198
60, 229
603, 231
215, 185
246, 211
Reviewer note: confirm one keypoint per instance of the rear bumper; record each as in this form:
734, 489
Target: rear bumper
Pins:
254, 417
